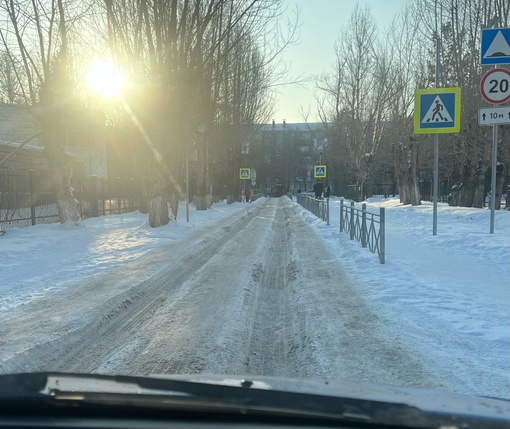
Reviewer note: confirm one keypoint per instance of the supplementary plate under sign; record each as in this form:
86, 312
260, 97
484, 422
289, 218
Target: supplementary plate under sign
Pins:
494, 116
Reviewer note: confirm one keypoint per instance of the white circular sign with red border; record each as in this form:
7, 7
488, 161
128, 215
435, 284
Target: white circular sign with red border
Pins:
495, 86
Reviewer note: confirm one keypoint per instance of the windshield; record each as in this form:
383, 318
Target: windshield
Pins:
284, 188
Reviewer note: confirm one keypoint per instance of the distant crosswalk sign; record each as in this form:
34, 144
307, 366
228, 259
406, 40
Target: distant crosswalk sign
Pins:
244, 173
437, 110
319, 171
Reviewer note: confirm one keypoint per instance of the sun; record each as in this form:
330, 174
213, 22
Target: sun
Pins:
105, 79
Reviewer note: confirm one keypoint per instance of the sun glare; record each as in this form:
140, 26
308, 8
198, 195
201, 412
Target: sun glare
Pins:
105, 79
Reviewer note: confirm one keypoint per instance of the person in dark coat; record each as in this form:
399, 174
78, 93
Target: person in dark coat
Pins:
247, 194
317, 188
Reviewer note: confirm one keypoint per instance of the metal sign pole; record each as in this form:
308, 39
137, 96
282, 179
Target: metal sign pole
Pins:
495, 88
493, 174
436, 146
187, 185
436, 180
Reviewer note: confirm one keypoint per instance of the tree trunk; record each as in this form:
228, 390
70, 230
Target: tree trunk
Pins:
201, 196
479, 186
174, 204
414, 184
500, 175
158, 209
406, 161
52, 133
466, 197
454, 197
158, 212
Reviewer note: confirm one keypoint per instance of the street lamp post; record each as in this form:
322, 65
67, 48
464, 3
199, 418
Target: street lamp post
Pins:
187, 185
187, 170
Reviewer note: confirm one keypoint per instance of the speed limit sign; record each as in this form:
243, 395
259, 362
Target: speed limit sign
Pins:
495, 86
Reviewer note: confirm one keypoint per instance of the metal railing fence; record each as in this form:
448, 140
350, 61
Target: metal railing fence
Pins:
366, 227
28, 198
319, 207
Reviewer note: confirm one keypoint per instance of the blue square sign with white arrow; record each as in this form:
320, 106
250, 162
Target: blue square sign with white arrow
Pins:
437, 110
495, 47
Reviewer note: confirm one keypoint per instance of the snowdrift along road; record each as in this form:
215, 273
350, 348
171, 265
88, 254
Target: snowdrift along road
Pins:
257, 293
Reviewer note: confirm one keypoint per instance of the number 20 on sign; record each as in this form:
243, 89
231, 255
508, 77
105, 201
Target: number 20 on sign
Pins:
495, 86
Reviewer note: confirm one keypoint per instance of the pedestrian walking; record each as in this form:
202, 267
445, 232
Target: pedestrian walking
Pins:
318, 188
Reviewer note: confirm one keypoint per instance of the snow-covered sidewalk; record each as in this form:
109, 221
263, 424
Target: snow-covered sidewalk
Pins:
46, 258
447, 295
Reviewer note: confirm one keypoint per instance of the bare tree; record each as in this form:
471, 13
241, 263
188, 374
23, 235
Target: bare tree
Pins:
465, 157
199, 67
367, 110
39, 72
360, 97
405, 51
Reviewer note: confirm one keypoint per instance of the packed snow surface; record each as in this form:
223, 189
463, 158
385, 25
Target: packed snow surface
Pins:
264, 288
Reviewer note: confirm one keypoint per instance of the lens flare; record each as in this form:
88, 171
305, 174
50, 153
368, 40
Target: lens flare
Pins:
105, 79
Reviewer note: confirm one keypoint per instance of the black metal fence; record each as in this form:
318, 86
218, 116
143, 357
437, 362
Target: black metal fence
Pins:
28, 198
367, 228
360, 192
318, 206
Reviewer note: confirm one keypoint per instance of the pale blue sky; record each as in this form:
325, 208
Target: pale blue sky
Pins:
321, 22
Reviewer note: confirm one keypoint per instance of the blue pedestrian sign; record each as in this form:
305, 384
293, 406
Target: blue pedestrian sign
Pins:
437, 111
244, 173
319, 171
495, 46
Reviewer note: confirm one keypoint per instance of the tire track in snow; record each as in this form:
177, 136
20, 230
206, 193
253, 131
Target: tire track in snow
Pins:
272, 337
202, 329
77, 329
342, 337
257, 293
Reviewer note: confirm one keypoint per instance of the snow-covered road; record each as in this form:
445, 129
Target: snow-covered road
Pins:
258, 292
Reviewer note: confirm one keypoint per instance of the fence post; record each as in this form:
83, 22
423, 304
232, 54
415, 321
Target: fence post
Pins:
382, 237
364, 225
80, 186
327, 211
352, 221
341, 215
32, 196
119, 198
132, 199
103, 195
94, 197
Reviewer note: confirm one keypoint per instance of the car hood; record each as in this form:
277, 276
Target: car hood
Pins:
259, 395
424, 399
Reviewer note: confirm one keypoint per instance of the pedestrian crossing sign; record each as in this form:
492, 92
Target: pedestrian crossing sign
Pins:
244, 173
319, 171
437, 111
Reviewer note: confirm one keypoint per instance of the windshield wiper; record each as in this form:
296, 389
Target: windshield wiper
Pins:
228, 395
